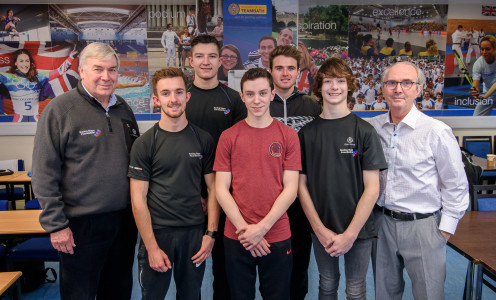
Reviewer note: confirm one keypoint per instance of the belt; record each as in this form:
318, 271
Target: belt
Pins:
403, 216
457, 43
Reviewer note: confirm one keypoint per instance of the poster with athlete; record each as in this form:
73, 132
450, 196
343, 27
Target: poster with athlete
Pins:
19, 23
33, 73
471, 37
170, 29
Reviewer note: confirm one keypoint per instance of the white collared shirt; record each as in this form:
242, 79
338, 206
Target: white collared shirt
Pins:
425, 169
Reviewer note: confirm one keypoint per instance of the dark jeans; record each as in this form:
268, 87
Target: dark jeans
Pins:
103, 258
179, 244
274, 270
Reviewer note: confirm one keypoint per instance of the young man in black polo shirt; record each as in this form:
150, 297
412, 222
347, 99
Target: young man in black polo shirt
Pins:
213, 107
339, 182
167, 165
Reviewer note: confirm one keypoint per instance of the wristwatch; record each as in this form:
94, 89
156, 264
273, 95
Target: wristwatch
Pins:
212, 234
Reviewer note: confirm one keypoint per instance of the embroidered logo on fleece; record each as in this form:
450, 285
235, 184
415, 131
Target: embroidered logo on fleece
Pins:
92, 132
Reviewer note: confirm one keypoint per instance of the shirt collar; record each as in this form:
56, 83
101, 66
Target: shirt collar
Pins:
409, 120
112, 101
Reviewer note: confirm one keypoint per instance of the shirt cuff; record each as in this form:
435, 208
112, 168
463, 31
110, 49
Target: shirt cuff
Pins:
448, 224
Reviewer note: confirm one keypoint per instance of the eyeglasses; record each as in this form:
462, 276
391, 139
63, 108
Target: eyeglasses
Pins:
225, 56
407, 84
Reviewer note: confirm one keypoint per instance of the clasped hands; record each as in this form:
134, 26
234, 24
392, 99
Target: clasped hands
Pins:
335, 244
251, 236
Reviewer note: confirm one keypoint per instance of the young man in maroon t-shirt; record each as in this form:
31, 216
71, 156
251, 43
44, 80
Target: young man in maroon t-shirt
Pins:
260, 158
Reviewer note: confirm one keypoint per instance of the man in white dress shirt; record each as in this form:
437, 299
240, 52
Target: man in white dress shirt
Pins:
423, 193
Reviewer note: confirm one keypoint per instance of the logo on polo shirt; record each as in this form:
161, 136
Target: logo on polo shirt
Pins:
222, 109
275, 149
93, 132
135, 168
349, 147
196, 154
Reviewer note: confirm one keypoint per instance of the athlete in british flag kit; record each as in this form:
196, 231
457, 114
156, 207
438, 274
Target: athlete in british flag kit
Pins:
25, 83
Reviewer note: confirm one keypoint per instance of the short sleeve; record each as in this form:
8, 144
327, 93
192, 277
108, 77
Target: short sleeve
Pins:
209, 154
292, 159
140, 160
476, 71
239, 109
373, 154
223, 154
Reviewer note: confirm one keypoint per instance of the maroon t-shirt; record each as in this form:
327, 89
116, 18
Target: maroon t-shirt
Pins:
257, 158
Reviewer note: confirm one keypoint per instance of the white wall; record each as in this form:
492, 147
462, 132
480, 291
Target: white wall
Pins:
21, 147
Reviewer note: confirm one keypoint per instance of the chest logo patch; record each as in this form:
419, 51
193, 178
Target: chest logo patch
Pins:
93, 132
222, 109
275, 149
196, 154
350, 142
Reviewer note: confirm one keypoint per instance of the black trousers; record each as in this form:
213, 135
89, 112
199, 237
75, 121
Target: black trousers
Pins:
274, 270
179, 244
102, 263
301, 245
220, 286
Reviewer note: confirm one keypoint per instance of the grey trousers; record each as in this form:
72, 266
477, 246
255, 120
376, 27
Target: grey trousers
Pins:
417, 246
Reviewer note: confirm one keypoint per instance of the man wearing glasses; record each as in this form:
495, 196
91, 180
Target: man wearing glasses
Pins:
423, 193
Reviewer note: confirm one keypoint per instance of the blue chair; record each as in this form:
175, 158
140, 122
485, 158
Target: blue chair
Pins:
33, 249
4, 205
33, 204
14, 166
479, 145
484, 202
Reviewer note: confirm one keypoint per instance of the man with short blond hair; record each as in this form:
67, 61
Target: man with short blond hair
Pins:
81, 154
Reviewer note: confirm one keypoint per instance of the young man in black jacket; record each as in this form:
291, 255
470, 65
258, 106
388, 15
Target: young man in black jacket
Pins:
294, 109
